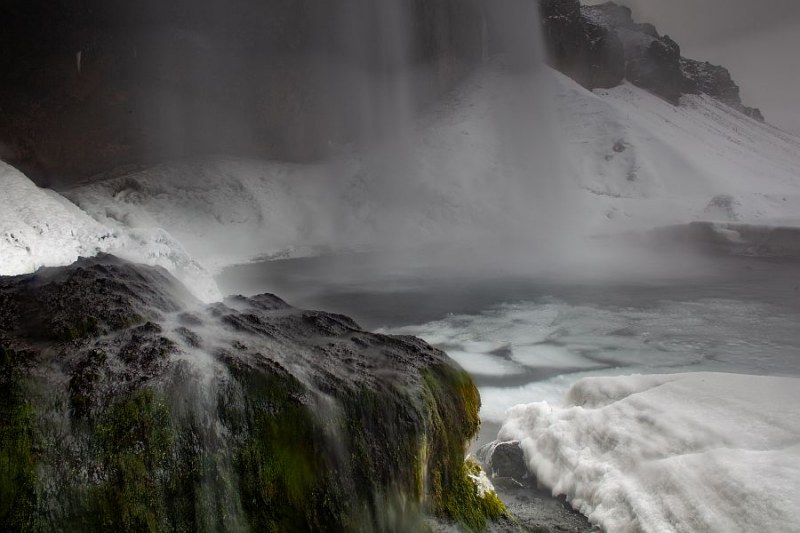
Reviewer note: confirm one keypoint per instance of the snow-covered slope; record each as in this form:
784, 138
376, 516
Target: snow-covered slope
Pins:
488, 160
223, 210
642, 162
40, 228
689, 452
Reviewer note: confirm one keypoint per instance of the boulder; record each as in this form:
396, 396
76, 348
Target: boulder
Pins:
128, 405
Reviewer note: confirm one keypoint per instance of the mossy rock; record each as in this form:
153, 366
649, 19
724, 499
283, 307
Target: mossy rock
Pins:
250, 416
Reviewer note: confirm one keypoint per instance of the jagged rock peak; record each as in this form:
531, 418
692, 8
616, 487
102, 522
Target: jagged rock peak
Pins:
705, 78
580, 47
653, 61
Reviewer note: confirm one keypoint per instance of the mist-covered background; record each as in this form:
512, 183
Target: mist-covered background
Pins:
757, 40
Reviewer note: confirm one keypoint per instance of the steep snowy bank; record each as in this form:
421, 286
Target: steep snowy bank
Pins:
642, 162
690, 452
40, 228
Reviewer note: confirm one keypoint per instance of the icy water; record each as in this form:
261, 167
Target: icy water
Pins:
528, 338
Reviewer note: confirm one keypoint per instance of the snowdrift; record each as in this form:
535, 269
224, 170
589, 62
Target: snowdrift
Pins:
38, 227
689, 452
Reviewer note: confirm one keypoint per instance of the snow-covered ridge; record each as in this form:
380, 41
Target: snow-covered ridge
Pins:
690, 452
38, 228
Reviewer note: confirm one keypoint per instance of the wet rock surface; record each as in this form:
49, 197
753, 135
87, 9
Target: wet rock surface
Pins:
128, 405
533, 508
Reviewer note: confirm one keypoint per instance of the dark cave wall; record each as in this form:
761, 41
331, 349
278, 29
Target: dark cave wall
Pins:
163, 79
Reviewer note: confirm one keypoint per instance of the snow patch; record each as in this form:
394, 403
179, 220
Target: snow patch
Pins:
40, 228
690, 452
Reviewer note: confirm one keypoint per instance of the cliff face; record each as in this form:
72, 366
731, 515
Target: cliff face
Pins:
599, 46
129, 406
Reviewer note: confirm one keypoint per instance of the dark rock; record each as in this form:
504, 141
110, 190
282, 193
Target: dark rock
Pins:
654, 62
533, 507
506, 461
656, 68
701, 77
579, 47
128, 405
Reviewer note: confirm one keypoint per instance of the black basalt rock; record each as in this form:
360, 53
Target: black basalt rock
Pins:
650, 61
128, 405
579, 47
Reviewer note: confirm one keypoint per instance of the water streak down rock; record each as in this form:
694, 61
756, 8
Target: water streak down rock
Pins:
127, 405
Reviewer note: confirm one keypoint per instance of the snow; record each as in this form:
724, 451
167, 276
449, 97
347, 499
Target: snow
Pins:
483, 486
688, 452
701, 160
40, 228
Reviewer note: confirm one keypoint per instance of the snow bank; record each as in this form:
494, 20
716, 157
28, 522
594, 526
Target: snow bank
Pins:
641, 162
688, 452
40, 228
222, 210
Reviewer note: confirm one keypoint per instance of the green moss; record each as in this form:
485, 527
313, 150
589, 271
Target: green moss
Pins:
18, 461
454, 402
140, 467
287, 481
135, 441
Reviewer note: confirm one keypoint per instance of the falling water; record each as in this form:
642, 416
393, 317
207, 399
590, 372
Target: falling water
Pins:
424, 183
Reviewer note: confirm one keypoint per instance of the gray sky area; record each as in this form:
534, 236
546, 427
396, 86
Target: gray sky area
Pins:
757, 40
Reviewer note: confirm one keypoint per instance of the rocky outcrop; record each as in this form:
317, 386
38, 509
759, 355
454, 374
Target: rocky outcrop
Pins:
701, 77
579, 47
651, 61
654, 62
127, 405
